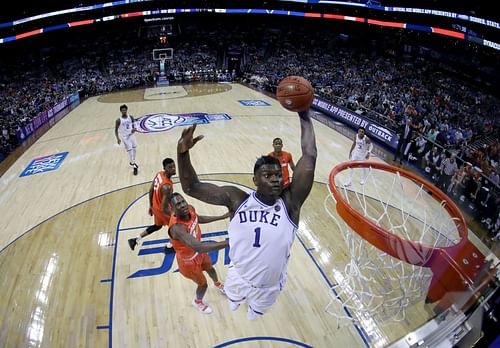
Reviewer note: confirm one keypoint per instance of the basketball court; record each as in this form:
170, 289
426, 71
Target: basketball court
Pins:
69, 278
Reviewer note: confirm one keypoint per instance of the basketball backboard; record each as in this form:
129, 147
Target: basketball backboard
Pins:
163, 53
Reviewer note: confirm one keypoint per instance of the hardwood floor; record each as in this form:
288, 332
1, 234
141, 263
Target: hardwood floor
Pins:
69, 278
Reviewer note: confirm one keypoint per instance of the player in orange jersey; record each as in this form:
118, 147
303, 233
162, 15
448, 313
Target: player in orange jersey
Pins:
285, 159
191, 253
160, 193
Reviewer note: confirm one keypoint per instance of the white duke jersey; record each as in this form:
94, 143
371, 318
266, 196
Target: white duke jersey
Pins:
360, 149
125, 128
260, 239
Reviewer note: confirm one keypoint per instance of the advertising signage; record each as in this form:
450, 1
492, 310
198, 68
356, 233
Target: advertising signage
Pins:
373, 130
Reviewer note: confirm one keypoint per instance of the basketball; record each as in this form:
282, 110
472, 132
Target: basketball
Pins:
295, 93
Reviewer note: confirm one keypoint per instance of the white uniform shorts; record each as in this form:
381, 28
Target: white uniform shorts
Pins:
129, 142
239, 290
356, 156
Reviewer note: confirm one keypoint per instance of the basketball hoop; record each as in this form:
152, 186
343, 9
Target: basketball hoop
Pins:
163, 54
405, 227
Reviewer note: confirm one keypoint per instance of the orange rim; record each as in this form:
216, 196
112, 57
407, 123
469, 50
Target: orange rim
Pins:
380, 237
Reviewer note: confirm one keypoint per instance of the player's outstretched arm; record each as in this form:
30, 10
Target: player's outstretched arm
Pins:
303, 175
228, 196
178, 231
204, 219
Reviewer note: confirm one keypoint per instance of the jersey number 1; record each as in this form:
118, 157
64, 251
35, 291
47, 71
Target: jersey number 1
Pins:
257, 238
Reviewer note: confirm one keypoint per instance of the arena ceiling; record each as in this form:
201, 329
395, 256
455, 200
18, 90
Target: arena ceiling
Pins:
20, 9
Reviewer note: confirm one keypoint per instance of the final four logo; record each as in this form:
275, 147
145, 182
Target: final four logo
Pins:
162, 122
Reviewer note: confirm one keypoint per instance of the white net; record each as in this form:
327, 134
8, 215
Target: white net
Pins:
373, 285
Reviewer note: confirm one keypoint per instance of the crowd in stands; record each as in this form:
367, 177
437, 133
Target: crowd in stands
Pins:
456, 143
453, 118
385, 88
95, 66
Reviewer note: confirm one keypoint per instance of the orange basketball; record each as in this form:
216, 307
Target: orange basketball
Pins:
295, 93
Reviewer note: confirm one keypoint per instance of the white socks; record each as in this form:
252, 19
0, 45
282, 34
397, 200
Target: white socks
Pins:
133, 152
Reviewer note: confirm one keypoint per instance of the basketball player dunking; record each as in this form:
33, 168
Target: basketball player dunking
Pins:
360, 151
124, 131
263, 223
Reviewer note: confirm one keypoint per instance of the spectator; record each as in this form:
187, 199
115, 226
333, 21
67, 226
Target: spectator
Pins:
494, 178
406, 130
448, 170
432, 159
432, 134
473, 184
457, 181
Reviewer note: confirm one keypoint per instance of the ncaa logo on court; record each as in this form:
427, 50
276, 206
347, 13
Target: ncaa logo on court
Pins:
254, 103
162, 122
44, 164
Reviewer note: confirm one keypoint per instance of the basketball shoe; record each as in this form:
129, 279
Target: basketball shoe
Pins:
202, 307
168, 249
135, 168
132, 242
233, 305
220, 286
251, 315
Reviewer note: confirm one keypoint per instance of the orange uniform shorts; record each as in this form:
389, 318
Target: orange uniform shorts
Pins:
161, 219
193, 269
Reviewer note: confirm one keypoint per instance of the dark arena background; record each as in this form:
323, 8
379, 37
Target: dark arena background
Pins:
421, 77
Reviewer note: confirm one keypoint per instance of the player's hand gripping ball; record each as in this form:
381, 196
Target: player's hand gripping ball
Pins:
295, 93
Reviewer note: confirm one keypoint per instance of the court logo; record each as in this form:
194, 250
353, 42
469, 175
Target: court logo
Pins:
254, 103
162, 122
44, 164
156, 247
